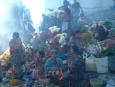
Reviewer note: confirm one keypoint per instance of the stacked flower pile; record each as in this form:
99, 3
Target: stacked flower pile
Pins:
12, 72
5, 56
56, 77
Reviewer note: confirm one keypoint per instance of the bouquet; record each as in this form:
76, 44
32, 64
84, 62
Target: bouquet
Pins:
54, 29
60, 38
55, 77
94, 49
12, 72
102, 52
5, 56
56, 39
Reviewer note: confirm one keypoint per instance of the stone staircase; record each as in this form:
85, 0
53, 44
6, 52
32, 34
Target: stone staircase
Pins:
108, 14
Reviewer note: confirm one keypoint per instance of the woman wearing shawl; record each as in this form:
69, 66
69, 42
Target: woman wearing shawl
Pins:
75, 67
53, 69
17, 50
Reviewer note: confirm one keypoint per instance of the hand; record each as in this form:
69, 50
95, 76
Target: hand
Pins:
70, 66
107, 42
65, 62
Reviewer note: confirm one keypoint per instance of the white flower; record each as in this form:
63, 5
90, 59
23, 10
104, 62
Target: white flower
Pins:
54, 29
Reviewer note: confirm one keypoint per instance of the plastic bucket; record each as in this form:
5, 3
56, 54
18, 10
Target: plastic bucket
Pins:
96, 82
90, 64
102, 65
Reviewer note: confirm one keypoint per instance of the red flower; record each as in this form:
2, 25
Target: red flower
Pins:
59, 73
56, 39
14, 70
49, 74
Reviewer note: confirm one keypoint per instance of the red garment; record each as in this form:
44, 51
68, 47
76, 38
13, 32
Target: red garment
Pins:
15, 45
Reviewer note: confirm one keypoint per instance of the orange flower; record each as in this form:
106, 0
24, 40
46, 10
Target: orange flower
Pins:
14, 82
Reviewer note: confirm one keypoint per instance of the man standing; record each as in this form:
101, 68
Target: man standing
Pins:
66, 18
76, 10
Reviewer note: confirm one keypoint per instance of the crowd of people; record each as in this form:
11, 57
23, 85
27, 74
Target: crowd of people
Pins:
67, 17
62, 63
45, 63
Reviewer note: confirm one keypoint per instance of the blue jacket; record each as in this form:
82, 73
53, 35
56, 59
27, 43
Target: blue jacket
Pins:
53, 66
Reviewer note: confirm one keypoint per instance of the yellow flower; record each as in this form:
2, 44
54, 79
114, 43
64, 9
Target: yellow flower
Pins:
5, 56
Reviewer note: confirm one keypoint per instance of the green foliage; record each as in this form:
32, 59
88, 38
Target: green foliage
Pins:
105, 52
108, 24
10, 75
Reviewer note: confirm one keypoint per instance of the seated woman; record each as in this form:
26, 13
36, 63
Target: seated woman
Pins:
76, 67
52, 65
101, 33
62, 52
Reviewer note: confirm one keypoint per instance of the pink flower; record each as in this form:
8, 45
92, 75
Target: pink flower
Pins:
13, 70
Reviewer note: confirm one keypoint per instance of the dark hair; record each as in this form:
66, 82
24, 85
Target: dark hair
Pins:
40, 52
65, 47
76, 50
16, 34
65, 3
31, 50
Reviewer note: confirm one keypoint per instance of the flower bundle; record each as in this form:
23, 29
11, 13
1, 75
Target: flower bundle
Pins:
94, 49
5, 56
54, 29
59, 38
55, 39
62, 39
12, 72
101, 51
14, 82
56, 77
